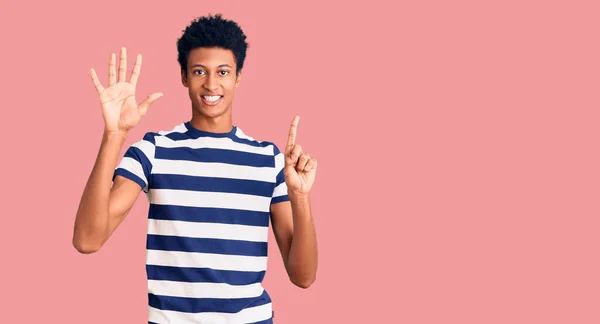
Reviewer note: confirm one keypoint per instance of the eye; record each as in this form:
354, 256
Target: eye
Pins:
198, 72
223, 72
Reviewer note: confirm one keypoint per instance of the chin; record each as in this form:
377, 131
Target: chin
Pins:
212, 112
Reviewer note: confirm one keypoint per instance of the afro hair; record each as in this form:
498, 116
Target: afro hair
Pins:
212, 31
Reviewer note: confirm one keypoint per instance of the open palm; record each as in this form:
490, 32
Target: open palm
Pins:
120, 110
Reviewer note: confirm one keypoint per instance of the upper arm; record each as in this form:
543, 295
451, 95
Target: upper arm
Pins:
123, 194
281, 209
131, 176
283, 228
136, 164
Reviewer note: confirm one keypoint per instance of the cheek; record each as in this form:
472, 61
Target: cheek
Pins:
231, 85
194, 94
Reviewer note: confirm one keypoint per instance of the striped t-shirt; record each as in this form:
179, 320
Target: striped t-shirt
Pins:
210, 196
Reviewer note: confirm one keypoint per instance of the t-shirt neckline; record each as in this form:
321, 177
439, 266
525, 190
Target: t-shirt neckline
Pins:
198, 133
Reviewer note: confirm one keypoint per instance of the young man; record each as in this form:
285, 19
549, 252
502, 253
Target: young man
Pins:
212, 189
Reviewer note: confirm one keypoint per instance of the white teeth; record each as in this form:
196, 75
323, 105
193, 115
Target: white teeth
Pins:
212, 98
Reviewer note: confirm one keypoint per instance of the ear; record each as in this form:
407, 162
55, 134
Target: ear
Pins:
238, 79
184, 80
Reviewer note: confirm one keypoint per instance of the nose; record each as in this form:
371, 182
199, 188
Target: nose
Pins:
211, 83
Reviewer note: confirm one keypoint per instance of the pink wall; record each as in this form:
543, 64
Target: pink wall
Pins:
457, 143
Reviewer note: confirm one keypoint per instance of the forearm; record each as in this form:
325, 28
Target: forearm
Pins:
303, 257
91, 223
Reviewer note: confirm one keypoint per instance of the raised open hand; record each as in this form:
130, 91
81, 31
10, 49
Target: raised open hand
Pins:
300, 169
120, 110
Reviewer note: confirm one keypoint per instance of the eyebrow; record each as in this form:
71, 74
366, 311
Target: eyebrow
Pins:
204, 67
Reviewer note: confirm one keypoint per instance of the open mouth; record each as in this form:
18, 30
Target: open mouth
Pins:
211, 100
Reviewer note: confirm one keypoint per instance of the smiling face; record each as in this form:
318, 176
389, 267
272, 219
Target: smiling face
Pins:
211, 81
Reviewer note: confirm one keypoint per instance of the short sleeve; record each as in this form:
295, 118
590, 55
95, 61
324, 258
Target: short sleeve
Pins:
136, 164
280, 192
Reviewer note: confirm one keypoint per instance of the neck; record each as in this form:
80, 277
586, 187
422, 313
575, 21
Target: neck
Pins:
218, 124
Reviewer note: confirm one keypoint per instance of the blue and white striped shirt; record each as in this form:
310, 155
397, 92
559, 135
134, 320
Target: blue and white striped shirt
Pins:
210, 196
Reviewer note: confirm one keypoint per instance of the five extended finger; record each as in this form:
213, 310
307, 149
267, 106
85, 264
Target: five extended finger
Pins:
136, 70
123, 65
149, 101
112, 70
96, 82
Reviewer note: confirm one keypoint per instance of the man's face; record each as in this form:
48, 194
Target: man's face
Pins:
211, 80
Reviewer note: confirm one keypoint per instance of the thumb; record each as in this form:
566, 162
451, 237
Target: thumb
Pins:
143, 107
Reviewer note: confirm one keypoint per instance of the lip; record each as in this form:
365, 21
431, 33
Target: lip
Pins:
211, 103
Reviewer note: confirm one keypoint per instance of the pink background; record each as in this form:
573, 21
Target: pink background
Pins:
458, 148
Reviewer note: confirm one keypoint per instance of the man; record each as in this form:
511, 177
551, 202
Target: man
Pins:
212, 189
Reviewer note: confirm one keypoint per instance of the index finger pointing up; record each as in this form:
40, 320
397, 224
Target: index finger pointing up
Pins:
292, 134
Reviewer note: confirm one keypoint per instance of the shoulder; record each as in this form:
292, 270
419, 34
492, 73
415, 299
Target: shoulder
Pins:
173, 133
244, 138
